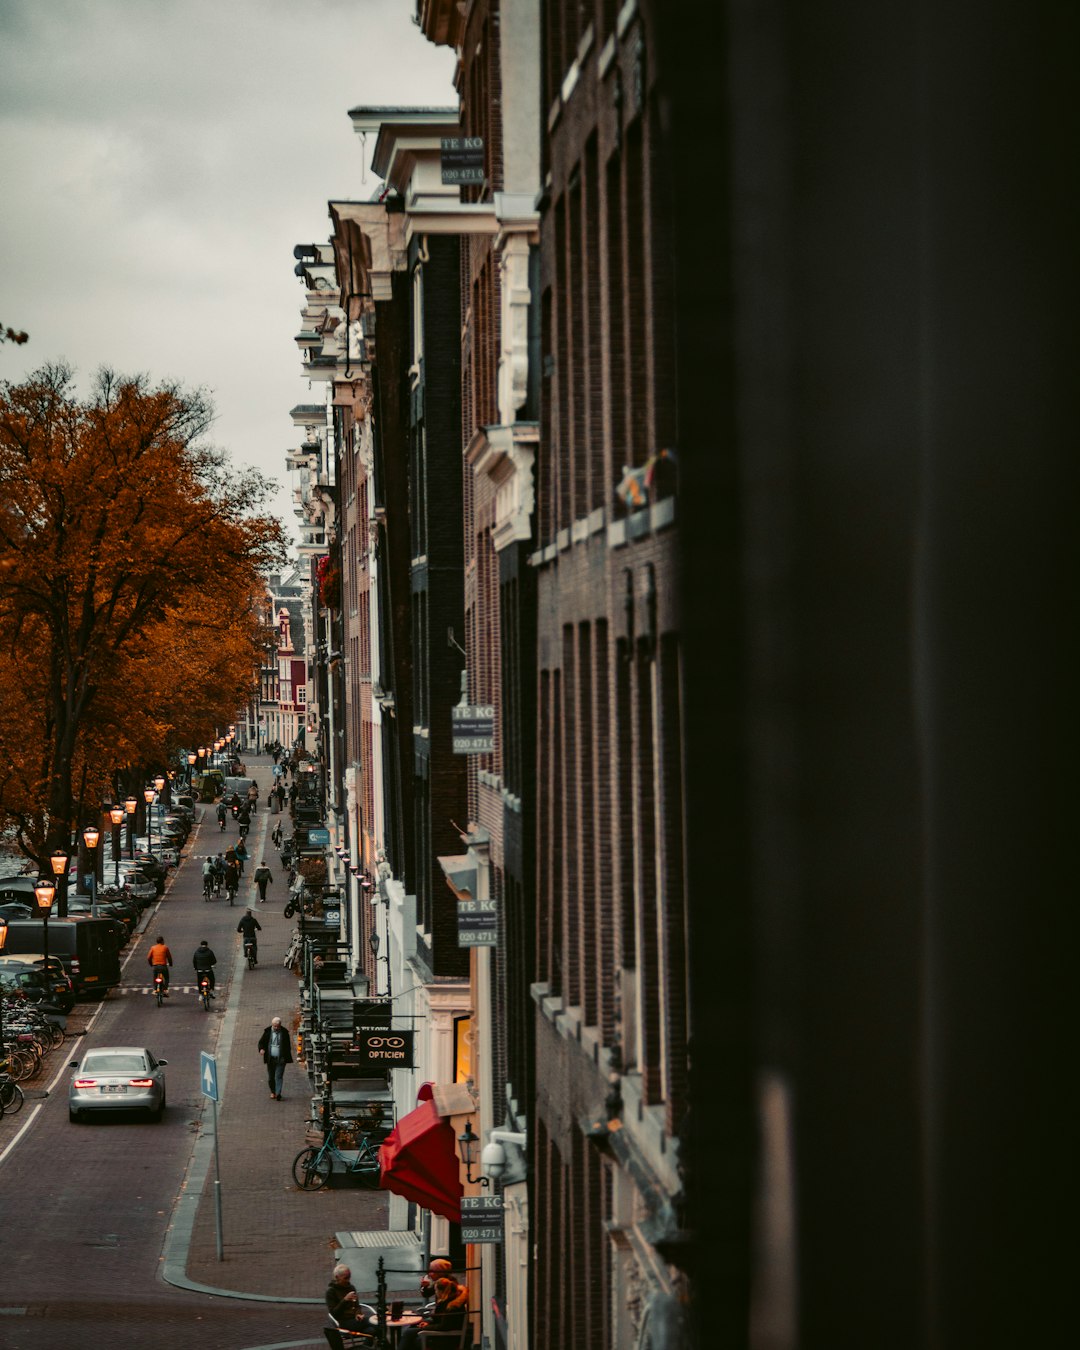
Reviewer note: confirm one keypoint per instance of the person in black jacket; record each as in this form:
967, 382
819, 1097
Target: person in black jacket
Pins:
249, 926
204, 959
343, 1303
276, 1052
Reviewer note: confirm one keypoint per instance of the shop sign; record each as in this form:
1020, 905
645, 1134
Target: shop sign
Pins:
383, 1047
481, 1218
461, 159
473, 728
318, 836
477, 923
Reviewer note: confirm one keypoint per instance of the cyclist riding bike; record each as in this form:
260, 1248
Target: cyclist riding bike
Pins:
218, 864
159, 959
249, 926
204, 960
221, 814
232, 880
207, 878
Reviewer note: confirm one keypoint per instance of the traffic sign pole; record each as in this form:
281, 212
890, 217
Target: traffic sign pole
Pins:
209, 1084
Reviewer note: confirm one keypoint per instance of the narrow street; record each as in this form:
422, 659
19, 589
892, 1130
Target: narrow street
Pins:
108, 1191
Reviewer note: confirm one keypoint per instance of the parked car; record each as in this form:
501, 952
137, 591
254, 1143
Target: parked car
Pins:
14, 910
157, 869
166, 852
18, 890
29, 981
114, 1076
137, 885
183, 808
79, 906
88, 948
60, 987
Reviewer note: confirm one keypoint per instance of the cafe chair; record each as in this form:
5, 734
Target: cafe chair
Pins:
447, 1340
347, 1340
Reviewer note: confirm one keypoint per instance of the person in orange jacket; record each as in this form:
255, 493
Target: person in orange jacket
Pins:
160, 958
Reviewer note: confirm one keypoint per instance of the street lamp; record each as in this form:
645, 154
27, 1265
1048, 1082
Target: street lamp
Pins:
60, 861
131, 805
45, 894
467, 1143
148, 797
116, 815
192, 757
91, 834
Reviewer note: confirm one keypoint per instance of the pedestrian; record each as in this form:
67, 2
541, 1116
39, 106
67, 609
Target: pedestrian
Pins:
160, 958
262, 879
276, 836
292, 796
276, 1052
281, 794
205, 960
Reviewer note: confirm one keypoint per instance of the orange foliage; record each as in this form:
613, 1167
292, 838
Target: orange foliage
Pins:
130, 563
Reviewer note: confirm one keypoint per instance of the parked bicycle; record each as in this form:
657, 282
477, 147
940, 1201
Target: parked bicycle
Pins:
11, 1095
313, 1166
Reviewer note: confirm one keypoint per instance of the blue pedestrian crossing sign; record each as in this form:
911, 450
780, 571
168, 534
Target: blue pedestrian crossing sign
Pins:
208, 1076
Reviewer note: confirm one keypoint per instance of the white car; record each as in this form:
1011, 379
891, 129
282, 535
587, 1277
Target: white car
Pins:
117, 1076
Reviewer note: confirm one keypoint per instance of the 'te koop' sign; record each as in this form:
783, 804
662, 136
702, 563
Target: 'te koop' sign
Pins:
477, 923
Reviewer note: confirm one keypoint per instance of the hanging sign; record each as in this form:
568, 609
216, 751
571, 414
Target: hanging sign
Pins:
481, 1218
461, 159
473, 728
383, 1048
477, 923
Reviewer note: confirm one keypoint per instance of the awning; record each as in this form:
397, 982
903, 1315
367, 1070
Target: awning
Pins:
460, 872
418, 1160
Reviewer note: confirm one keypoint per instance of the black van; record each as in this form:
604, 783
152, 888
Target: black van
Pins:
87, 947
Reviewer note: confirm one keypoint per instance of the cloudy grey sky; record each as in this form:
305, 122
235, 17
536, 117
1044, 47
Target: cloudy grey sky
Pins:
158, 161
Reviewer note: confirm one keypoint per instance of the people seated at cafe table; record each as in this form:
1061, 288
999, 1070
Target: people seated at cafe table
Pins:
448, 1313
344, 1306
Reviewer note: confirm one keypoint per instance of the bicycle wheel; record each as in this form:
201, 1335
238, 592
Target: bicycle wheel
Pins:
57, 1035
23, 1065
11, 1097
311, 1169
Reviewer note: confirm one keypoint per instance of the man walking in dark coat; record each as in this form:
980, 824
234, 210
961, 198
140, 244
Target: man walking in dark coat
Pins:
276, 1052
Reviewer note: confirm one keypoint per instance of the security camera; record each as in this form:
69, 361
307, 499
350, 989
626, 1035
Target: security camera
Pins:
493, 1160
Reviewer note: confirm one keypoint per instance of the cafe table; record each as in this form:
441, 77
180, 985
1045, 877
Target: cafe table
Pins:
396, 1325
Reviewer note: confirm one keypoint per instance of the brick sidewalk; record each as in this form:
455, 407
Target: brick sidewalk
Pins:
276, 1239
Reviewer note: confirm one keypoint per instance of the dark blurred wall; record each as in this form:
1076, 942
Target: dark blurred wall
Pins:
877, 372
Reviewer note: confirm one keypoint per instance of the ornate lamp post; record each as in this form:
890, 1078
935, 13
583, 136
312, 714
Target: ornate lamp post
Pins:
192, 757
116, 815
148, 797
60, 861
131, 805
91, 834
467, 1143
45, 894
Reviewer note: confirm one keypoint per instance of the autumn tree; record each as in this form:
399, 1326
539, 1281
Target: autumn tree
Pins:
130, 565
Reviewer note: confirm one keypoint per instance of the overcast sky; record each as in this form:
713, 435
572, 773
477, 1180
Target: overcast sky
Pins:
158, 161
